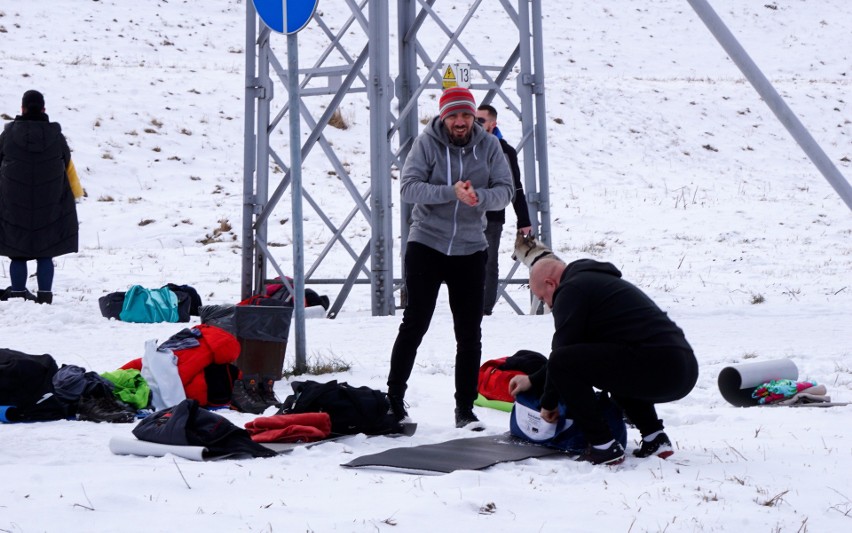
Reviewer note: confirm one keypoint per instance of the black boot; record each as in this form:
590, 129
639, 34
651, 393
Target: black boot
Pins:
246, 396
267, 392
105, 409
44, 297
24, 295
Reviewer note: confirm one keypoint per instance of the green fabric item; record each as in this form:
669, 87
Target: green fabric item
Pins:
130, 387
482, 401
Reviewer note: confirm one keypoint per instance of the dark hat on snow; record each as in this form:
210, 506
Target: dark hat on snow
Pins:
32, 101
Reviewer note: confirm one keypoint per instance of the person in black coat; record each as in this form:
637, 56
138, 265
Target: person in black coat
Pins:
38, 214
486, 115
609, 335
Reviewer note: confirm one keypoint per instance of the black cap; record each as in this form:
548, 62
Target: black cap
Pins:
32, 101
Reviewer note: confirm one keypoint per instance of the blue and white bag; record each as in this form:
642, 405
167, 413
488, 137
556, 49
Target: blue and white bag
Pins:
526, 423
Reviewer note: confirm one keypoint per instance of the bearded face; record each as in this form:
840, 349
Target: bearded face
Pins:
459, 128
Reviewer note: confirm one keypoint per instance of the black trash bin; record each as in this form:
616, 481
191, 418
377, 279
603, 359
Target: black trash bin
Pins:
262, 331
221, 316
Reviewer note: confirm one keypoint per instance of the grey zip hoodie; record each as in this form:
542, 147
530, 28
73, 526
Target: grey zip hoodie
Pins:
439, 220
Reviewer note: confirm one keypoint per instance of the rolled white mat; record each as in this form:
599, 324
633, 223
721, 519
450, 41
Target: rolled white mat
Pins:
134, 446
737, 382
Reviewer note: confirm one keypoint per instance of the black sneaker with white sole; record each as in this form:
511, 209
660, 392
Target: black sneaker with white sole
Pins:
465, 419
614, 455
398, 409
660, 446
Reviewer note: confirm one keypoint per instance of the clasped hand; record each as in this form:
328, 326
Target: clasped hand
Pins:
465, 193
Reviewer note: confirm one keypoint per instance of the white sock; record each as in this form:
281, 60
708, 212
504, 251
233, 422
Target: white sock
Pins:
652, 436
603, 446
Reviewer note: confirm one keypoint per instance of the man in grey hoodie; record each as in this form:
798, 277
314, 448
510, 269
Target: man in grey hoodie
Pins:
454, 173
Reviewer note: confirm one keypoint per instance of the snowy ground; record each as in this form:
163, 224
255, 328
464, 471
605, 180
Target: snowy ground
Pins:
663, 160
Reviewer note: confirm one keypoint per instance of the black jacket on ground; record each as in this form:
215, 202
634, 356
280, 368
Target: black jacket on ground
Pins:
38, 216
519, 201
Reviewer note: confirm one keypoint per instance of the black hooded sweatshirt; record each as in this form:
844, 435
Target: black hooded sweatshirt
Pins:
593, 304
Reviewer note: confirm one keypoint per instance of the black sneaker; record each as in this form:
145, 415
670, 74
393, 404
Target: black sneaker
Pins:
614, 455
465, 419
267, 392
104, 409
660, 446
246, 397
398, 409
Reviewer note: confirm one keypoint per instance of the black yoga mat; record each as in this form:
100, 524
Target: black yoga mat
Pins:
472, 453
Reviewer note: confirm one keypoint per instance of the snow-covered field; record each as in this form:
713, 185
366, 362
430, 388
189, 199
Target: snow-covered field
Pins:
663, 160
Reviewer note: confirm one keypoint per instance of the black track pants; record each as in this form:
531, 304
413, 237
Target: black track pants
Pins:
636, 378
425, 270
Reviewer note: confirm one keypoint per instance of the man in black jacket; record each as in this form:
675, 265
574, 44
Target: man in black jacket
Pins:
38, 216
486, 115
612, 336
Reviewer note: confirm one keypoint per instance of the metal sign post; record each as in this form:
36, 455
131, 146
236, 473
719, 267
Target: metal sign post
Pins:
293, 15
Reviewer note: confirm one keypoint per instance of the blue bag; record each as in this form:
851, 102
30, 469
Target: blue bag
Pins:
526, 423
149, 305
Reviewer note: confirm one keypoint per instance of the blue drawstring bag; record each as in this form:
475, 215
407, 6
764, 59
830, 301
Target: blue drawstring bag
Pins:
149, 305
526, 423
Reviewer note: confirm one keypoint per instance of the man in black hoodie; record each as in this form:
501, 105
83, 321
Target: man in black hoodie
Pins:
486, 115
612, 336
38, 216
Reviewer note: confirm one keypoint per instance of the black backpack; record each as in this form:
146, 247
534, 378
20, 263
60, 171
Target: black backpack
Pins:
26, 388
351, 409
111, 304
188, 294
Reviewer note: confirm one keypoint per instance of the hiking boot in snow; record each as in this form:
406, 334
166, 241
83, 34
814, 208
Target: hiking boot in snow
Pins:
44, 297
660, 446
246, 397
465, 419
267, 392
610, 456
397, 409
104, 409
24, 295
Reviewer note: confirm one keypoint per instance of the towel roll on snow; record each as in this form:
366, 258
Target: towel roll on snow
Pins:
737, 382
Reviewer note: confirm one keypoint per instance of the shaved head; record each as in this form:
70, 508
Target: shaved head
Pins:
545, 275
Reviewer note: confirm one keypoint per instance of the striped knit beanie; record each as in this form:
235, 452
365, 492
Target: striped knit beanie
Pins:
456, 100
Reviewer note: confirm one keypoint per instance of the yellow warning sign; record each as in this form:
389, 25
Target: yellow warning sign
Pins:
449, 78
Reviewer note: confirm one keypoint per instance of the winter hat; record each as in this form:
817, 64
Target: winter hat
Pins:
456, 100
32, 101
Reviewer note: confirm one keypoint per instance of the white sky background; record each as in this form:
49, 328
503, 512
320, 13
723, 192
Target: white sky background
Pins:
151, 100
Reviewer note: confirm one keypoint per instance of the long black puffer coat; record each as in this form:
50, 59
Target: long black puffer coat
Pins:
38, 216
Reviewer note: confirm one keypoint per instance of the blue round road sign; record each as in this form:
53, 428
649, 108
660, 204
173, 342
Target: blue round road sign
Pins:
299, 12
